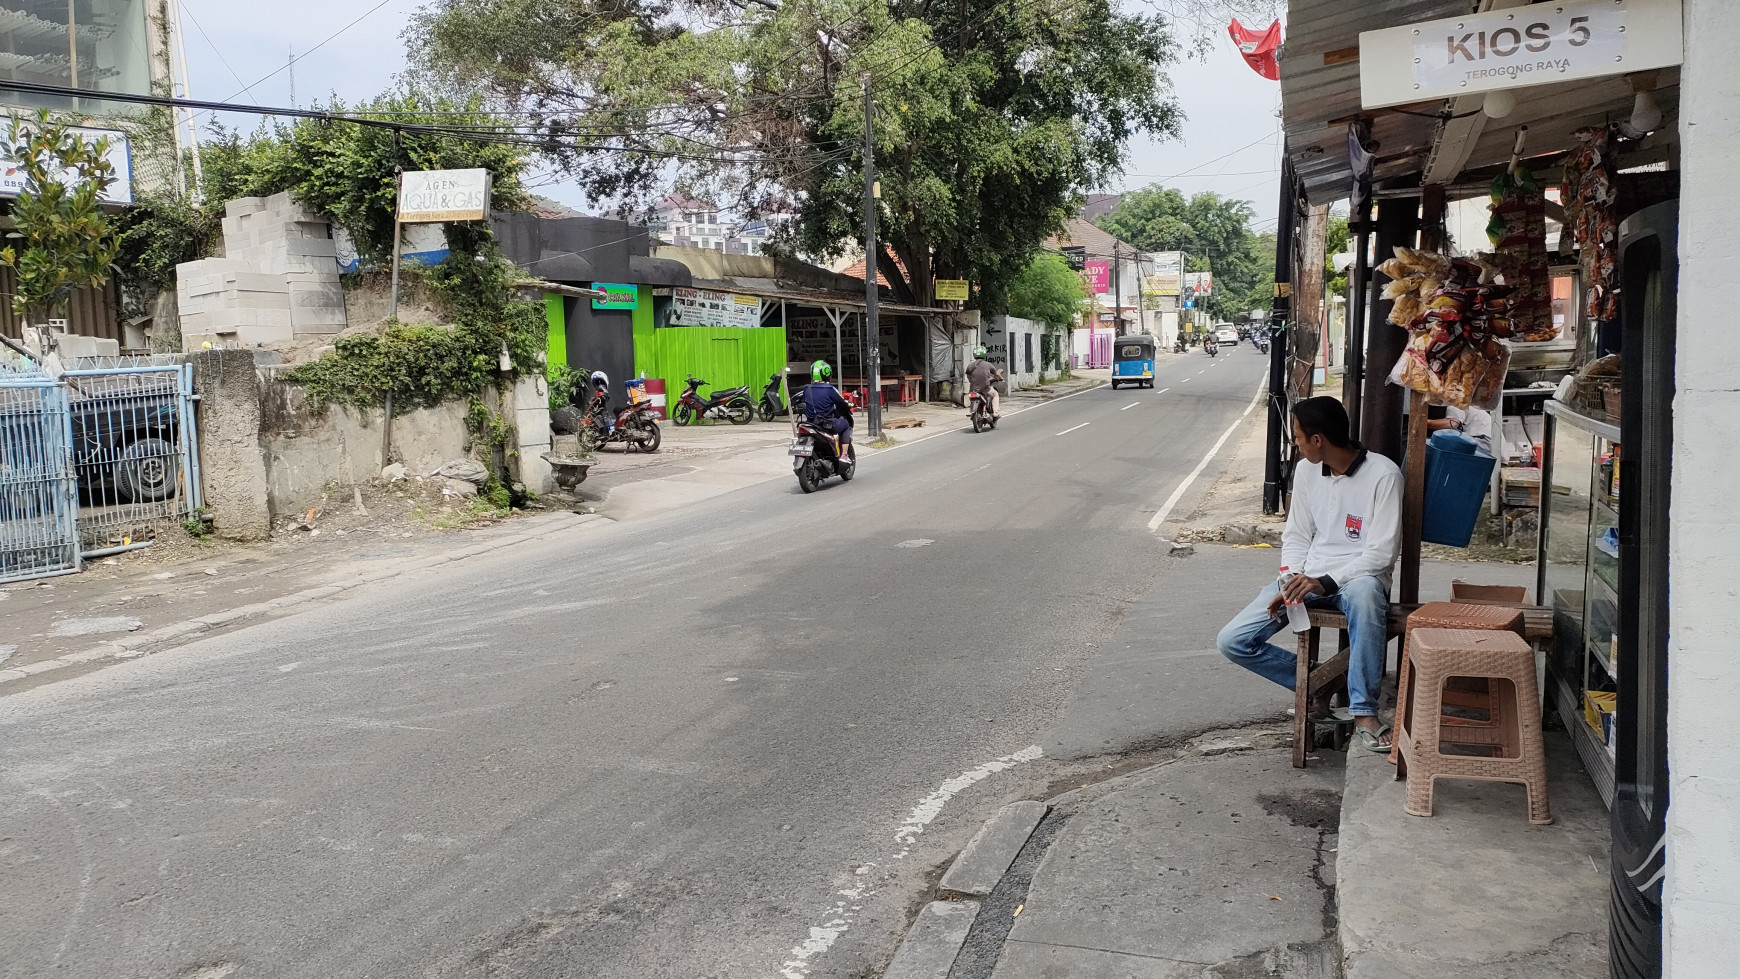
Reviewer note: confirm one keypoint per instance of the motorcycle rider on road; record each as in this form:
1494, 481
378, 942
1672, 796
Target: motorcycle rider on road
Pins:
1209, 344
983, 376
824, 407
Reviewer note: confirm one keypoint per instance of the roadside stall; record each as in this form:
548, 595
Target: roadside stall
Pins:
1528, 242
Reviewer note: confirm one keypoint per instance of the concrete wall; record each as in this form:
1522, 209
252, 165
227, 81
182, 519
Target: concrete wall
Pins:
1701, 899
232, 465
306, 455
1007, 340
277, 281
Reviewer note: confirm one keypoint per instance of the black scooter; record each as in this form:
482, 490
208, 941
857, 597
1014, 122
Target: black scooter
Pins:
816, 455
772, 401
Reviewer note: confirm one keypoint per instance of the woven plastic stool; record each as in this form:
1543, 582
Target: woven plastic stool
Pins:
1519, 752
1453, 615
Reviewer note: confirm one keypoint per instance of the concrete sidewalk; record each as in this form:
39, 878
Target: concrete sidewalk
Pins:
1222, 861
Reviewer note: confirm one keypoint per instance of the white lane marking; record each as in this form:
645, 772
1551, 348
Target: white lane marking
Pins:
1186, 381
1129, 406
1161, 391
1068, 430
1177, 494
837, 920
1202, 372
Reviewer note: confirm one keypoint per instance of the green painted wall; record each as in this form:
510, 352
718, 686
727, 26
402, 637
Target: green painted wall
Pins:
725, 356
645, 353
556, 347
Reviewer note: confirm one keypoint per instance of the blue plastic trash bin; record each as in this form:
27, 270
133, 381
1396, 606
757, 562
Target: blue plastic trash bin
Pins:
1457, 477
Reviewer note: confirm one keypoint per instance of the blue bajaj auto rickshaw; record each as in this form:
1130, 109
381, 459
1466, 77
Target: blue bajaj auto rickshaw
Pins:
1133, 361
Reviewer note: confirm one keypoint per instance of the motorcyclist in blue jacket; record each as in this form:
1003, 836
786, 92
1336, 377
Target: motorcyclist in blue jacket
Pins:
824, 407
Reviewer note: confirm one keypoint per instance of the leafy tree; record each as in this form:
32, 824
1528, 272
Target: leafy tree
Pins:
347, 170
1047, 291
1213, 231
68, 241
991, 118
1339, 239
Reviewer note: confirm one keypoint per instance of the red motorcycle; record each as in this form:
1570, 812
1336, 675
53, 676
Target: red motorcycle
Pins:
637, 427
732, 404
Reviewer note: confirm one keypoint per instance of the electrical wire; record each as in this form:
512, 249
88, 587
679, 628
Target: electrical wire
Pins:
214, 48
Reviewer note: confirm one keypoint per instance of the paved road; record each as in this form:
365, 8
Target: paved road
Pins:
731, 740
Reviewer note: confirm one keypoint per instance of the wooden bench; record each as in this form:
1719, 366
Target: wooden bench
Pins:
1315, 682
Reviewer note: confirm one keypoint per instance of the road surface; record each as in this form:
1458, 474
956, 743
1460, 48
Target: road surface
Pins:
734, 740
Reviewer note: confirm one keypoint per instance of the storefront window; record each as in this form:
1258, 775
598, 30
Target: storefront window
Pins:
98, 45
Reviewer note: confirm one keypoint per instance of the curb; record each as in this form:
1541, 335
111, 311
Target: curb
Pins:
165, 638
931, 944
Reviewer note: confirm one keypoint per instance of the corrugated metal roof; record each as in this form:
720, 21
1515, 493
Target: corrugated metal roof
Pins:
1313, 93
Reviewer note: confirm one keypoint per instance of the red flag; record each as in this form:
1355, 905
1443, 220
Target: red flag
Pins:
1258, 49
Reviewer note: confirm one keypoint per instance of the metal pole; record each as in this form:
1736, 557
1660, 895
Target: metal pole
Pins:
1285, 215
393, 303
1117, 294
1353, 368
873, 356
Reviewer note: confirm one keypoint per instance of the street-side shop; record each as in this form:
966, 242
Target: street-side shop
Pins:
1546, 226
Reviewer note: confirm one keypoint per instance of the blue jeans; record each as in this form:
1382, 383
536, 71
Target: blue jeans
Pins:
1365, 602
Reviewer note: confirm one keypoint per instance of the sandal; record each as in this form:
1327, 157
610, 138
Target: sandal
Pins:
1372, 740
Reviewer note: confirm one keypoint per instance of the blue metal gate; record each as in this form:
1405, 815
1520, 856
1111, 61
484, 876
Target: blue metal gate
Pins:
38, 484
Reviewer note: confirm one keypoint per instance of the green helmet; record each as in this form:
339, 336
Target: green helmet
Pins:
820, 371
980, 352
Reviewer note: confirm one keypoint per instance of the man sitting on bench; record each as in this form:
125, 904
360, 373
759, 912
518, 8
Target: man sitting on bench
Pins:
1343, 533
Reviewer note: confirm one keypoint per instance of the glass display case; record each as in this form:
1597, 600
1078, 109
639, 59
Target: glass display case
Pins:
1578, 572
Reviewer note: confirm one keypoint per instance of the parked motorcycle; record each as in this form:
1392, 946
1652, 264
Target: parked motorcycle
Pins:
979, 409
731, 404
772, 400
637, 427
1178, 346
815, 455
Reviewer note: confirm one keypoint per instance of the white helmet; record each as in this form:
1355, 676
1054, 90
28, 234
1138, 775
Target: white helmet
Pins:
600, 380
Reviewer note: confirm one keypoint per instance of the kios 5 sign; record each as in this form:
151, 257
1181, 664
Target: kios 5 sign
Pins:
1538, 44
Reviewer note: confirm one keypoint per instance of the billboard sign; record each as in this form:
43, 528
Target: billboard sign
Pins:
702, 307
429, 196
1099, 275
119, 155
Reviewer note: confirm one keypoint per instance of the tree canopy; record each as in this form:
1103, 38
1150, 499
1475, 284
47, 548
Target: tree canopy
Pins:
67, 240
1048, 291
1214, 232
991, 118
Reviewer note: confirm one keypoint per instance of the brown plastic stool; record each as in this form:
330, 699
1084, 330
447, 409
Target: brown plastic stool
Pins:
1505, 661
1454, 615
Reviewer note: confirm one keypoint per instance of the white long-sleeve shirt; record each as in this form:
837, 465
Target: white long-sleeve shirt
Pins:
1345, 526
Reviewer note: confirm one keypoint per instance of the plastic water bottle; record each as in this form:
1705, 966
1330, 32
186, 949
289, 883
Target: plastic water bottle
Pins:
1298, 617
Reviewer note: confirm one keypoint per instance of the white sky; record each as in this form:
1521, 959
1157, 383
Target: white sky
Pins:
1229, 143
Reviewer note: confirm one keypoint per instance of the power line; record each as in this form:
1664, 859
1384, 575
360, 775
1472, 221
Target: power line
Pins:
214, 48
310, 51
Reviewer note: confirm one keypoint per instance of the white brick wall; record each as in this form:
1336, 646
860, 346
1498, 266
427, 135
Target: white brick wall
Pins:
277, 281
1701, 900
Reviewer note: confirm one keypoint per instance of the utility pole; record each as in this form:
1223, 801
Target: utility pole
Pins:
872, 332
1117, 294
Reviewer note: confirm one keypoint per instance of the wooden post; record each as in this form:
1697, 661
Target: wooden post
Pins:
1414, 475
1413, 498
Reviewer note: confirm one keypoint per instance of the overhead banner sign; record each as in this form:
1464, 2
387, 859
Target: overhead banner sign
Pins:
1538, 44
1199, 283
951, 289
119, 156
700, 307
1076, 256
427, 196
617, 295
